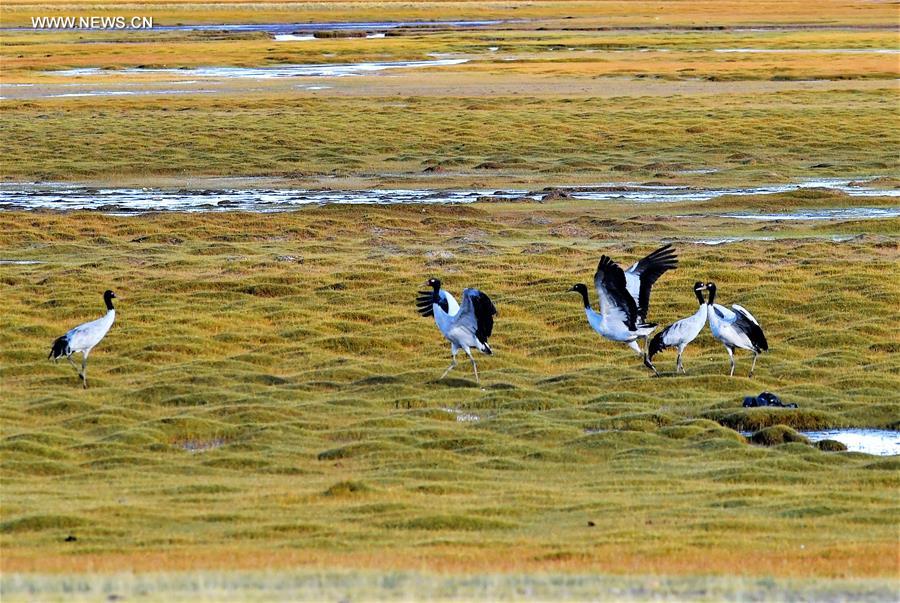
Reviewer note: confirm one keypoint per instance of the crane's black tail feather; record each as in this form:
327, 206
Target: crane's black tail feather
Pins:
656, 344
60, 348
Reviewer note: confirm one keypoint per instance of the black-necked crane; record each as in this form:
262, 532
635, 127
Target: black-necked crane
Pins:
680, 333
465, 326
85, 338
625, 298
735, 328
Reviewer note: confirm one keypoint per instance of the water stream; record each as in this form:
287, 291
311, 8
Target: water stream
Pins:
72, 196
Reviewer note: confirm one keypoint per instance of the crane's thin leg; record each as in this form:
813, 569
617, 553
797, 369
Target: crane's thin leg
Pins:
474, 366
678, 365
731, 357
72, 362
454, 350
83, 373
650, 366
753, 366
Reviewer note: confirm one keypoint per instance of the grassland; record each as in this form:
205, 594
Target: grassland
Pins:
265, 416
532, 106
271, 381
752, 138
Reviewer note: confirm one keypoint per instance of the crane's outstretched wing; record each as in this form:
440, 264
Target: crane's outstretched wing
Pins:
424, 306
639, 279
749, 325
615, 301
476, 314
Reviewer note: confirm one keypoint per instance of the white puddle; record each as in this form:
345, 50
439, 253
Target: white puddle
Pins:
261, 73
65, 196
293, 37
880, 442
20, 262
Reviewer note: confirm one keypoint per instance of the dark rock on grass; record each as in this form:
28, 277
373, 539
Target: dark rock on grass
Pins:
831, 446
766, 399
435, 169
777, 434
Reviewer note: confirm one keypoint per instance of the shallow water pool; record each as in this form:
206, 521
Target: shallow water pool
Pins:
880, 442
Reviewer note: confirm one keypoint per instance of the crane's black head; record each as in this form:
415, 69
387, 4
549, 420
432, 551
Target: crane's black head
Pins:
711, 287
108, 296
581, 289
699, 288
434, 283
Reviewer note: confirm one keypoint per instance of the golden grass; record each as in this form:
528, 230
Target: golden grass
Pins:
584, 54
284, 351
542, 140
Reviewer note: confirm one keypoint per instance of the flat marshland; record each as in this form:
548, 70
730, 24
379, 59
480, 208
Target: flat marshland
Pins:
266, 417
